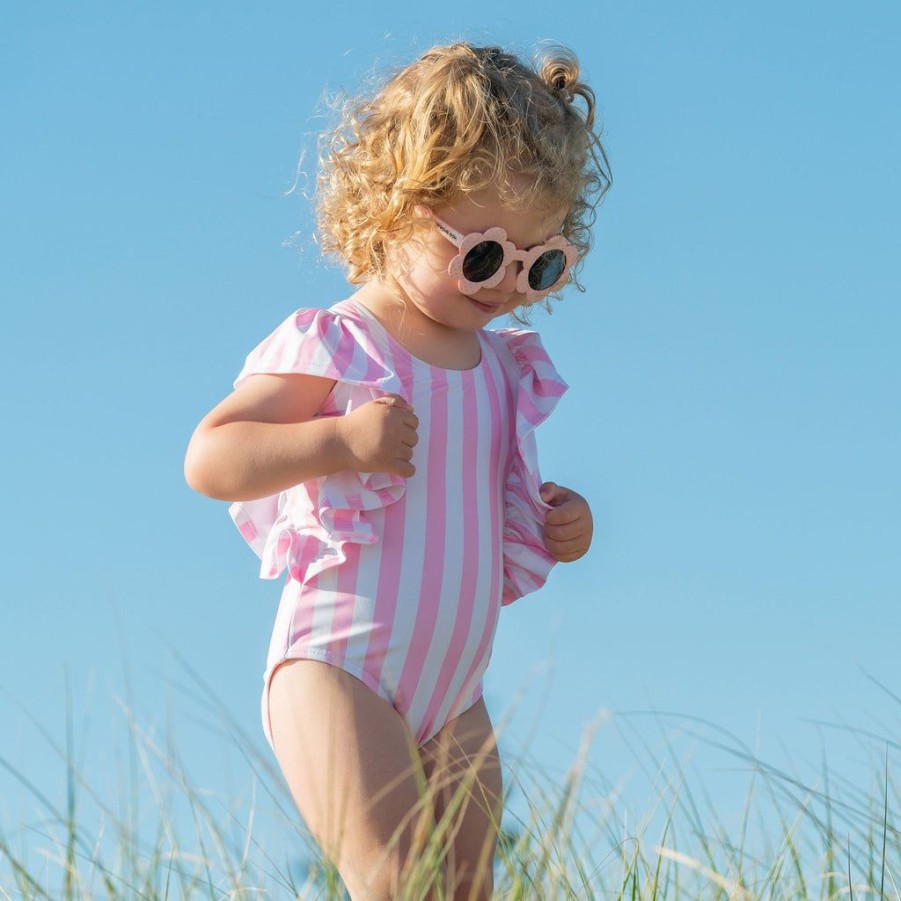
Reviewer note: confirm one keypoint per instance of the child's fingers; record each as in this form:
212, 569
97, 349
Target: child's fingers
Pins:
411, 421
567, 527
394, 400
568, 539
566, 532
566, 503
567, 553
404, 468
564, 514
551, 493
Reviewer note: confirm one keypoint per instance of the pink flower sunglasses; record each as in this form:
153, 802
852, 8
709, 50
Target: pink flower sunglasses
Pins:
484, 257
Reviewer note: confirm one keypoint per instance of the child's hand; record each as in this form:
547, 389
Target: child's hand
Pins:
380, 436
568, 527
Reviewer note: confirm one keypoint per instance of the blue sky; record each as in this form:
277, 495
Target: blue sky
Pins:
733, 415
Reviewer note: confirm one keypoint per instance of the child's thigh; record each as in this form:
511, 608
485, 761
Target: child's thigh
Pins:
350, 762
463, 765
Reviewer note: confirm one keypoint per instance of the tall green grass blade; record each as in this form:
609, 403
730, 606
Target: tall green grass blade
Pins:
884, 828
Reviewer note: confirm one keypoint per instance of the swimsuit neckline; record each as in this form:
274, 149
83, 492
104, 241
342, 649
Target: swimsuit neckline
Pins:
370, 317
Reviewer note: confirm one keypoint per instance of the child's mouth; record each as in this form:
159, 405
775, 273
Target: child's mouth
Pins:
485, 307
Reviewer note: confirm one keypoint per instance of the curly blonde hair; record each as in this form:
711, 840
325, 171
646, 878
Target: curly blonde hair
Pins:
454, 122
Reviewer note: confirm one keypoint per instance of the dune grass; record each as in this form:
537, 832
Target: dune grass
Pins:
159, 834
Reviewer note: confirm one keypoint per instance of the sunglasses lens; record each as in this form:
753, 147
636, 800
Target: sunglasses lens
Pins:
546, 270
483, 261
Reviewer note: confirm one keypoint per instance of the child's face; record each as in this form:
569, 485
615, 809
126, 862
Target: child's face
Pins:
435, 293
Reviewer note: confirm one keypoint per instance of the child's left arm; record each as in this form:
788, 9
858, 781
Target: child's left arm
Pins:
568, 527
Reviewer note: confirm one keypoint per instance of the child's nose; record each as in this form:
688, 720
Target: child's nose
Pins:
511, 274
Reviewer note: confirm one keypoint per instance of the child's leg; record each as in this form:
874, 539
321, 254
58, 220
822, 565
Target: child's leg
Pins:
349, 760
463, 758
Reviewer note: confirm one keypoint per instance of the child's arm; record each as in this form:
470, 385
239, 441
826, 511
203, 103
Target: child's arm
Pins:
265, 437
568, 527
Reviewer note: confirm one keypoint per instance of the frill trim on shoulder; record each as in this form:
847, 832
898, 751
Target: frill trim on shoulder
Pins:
539, 387
333, 344
305, 531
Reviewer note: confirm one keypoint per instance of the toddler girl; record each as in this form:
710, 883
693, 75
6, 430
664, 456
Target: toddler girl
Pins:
381, 452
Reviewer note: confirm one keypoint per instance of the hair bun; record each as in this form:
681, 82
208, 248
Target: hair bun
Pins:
559, 69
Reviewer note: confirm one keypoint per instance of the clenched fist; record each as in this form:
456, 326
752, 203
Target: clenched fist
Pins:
568, 527
380, 436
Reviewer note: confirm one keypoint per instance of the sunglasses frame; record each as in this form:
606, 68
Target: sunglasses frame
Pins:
512, 253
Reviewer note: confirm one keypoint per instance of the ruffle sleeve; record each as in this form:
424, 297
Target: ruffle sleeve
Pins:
330, 344
304, 529
527, 562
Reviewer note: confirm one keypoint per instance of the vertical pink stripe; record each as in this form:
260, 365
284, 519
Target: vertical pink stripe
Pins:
388, 590
344, 601
435, 524
376, 355
341, 352
301, 629
503, 413
471, 539
368, 364
501, 437
306, 339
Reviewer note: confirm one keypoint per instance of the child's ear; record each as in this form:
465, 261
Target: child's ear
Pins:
423, 219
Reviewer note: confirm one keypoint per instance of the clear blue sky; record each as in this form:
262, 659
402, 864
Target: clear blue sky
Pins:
734, 363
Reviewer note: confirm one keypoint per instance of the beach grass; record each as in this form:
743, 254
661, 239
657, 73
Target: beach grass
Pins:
151, 831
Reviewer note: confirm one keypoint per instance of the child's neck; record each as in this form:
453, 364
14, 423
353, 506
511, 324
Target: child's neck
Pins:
430, 341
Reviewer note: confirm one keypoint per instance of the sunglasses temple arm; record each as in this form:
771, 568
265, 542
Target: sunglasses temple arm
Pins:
448, 232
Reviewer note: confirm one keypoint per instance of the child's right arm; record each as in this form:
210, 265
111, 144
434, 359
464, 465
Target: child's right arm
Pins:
265, 437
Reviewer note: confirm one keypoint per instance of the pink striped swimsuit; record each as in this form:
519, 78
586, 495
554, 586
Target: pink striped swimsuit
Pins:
400, 581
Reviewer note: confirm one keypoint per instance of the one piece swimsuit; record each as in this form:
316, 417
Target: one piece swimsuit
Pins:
397, 581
